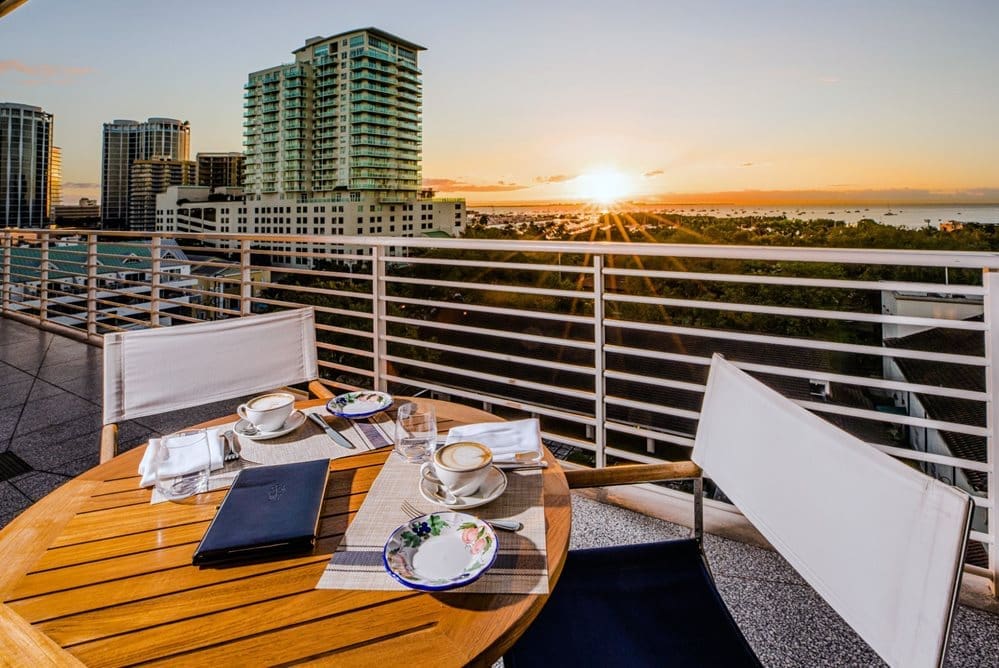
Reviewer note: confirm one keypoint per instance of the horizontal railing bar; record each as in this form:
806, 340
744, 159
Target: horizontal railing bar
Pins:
493, 378
496, 401
513, 289
789, 342
657, 409
520, 336
551, 268
803, 374
501, 357
496, 310
893, 418
898, 286
787, 311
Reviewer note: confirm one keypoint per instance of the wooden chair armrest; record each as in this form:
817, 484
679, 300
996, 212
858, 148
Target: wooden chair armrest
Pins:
25, 645
109, 442
631, 473
319, 390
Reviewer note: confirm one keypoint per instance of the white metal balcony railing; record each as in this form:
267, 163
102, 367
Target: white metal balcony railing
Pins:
607, 343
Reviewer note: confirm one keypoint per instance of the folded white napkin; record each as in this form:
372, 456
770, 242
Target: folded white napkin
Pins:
148, 471
519, 440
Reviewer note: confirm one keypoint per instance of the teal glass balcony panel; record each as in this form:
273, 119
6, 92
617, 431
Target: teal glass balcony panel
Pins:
409, 105
407, 66
294, 93
373, 86
373, 152
371, 75
374, 65
408, 75
323, 60
364, 129
409, 88
294, 104
372, 109
408, 116
293, 72
412, 127
268, 108
250, 84
365, 140
378, 55
386, 121
372, 98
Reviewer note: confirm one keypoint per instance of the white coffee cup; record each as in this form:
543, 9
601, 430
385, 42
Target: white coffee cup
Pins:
460, 467
267, 412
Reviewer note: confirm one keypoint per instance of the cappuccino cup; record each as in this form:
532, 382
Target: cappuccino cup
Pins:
460, 467
267, 412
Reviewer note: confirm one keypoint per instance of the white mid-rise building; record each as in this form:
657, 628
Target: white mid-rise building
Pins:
333, 147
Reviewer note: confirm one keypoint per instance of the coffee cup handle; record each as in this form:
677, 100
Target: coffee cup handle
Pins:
241, 412
427, 471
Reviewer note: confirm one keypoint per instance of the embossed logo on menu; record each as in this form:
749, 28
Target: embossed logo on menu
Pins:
276, 491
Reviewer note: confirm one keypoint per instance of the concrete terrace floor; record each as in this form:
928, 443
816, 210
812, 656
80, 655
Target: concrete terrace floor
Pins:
50, 419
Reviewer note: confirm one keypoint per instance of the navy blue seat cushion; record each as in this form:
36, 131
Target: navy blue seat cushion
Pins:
634, 605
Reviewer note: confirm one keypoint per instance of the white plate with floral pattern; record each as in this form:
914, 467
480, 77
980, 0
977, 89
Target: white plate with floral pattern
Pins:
440, 551
357, 405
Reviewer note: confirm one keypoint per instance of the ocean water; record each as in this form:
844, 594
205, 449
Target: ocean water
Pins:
903, 216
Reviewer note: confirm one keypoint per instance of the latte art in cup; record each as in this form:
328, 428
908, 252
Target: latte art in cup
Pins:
269, 401
463, 456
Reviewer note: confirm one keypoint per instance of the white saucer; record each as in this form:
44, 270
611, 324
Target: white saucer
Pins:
495, 481
294, 421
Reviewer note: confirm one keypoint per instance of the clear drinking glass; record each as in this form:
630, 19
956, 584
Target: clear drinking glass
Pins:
415, 432
183, 463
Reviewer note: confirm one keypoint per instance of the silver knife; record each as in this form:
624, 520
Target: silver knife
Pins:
337, 437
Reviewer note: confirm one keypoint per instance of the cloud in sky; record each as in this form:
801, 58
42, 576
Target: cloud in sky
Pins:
747, 164
43, 73
454, 185
654, 172
556, 178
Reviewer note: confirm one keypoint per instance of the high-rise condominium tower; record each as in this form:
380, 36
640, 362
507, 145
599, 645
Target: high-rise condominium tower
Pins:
150, 178
55, 180
127, 141
25, 153
220, 170
345, 116
333, 147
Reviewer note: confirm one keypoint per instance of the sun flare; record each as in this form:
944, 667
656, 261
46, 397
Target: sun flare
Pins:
603, 187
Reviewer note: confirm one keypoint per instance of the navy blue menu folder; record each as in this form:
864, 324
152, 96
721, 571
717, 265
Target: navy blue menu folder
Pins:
269, 511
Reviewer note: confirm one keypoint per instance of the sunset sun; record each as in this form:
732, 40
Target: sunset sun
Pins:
603, 186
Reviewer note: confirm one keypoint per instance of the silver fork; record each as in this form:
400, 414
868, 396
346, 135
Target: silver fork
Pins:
231, 454
506, 525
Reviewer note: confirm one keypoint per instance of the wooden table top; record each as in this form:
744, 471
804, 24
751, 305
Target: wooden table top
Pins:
93, 572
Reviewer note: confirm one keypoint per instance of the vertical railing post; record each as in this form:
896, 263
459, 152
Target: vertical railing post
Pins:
155, 252
43, 275
245, 279
5, 286
599, 383
92, 284
378, 319
991, 283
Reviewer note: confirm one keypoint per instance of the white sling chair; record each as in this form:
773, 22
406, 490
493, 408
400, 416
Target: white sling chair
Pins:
882, 543
153, 371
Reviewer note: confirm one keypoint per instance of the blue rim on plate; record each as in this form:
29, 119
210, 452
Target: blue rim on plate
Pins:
457, 549
361, 404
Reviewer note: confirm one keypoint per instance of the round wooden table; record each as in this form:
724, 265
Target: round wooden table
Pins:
94, 572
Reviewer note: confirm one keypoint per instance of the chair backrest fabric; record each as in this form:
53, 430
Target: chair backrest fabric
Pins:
158, 370
881, 542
